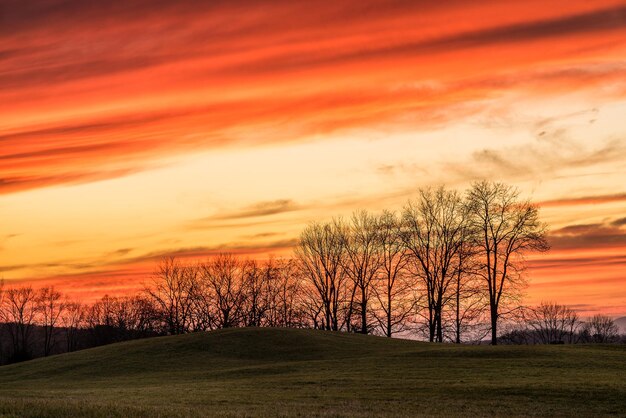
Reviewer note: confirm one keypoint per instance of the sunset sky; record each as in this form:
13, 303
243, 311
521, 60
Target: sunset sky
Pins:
131, 130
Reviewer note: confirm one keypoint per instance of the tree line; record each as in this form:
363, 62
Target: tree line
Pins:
447, 257
446, 267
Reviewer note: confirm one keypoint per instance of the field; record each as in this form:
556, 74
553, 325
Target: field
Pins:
269, 372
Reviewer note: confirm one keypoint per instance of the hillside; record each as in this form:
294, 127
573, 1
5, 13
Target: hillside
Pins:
303, 372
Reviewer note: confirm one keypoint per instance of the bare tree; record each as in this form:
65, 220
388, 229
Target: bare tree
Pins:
363, 261
504, 229
467, 298
433, 231
312, 305
173, 290
100, 320
50, 307
130, 316
392, 288
601, 329
553, 323
72, 318
224, 280
283, 290
140, 314
469, 305
321, 254
20, 314
258, 280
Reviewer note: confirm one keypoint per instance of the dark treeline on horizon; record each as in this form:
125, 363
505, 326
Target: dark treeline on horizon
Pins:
448, 267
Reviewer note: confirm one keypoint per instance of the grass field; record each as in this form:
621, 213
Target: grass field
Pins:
269, 372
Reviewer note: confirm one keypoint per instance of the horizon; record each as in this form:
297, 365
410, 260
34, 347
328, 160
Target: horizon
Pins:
229, 129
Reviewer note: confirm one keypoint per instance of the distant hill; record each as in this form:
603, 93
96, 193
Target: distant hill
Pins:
621, 323
265, 372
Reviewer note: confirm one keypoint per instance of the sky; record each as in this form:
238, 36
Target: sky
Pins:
134, 130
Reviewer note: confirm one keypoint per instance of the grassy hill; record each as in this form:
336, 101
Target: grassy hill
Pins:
268, 372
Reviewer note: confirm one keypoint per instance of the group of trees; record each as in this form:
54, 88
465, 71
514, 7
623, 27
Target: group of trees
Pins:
447, 267
226, 291
41, 322
447, 257
551, 323
442, 265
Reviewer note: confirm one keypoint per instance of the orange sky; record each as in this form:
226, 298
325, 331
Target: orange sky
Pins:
133, 130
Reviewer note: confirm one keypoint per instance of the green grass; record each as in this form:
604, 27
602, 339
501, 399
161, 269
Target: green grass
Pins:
270, 372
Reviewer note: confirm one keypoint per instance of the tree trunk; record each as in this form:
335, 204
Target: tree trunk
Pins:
438, 322
494, 326
431, 325
458, 310
364, 316
438, 319
389, 314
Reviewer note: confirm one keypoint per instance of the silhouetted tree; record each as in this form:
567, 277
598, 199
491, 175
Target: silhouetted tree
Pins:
363, 262
601, 329
50, 307
257, 282
72, 318
321, 254
312, 305
552, 323
283, 293
504, 229
433, 231
392, 288
224, 280
173, 291
19, 313
467, 298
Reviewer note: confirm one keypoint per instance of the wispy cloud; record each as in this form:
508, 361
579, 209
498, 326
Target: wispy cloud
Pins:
197, 75
586, 200
584, 236
260, 209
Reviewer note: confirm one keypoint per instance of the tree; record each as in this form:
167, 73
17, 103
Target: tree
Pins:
504, 228
257, 280
469, 305
72, 318
321, 254
282, 294
143, 316
433, 232
601, 329
20, 314
50, 307
552, 323
363, 261
173, 290
224, 282
290, 294
467, 297
392, 289
312, 304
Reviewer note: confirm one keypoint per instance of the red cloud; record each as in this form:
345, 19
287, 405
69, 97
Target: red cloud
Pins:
117, 91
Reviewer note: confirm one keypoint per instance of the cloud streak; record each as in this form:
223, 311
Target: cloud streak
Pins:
583, 236
260, 209
585, 200
144, 80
